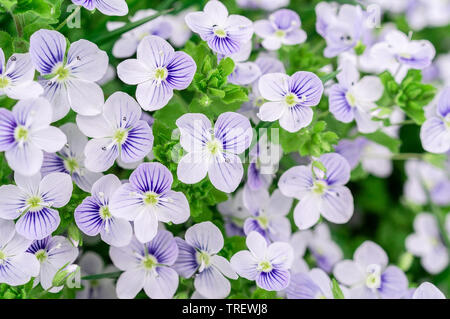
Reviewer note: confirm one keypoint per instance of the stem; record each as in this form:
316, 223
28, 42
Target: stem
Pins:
18, 25
407, 156
406, 122
74, 13
102, 276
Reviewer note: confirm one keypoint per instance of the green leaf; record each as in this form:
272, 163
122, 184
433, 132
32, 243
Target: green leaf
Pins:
20, 45
382, 138
337, 292
8, 4
260, 293
6, 43
226, 66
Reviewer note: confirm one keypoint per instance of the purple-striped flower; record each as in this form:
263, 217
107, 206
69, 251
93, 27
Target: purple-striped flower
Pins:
16, 77
268, 214
117, 132
267, 265
16, 265
128, 43
426, 242
147, 266
282, 28
26, 132
321, 192
435, 132
369, 276
69, 80
147, 199
354, 99
314, 284
157, 71
427, 290
213, 151
198, 254
53, 253
93, 215
234, 214
107, 7
398, 49
31, 202
245, 72
70, 159
290, 98
225, 34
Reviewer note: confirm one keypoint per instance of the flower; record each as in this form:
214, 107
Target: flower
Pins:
180, 31
435, 132
69, 81
398, 49
93, 215
299, 241
16, 265
26, 132
369, 276
213, 151
290, 98
129, 41
314, 284
427, 290
198, 254
354, 98
283, 27
16, 77
268, 214
147, 266
224, 33
234, 214
244, 73
157, 71
31, 201
53, 253
92, 264
427, 243
423, 13
268, 5
267, 265
321, 192
117, 132
107, 7
70, 159
147, 199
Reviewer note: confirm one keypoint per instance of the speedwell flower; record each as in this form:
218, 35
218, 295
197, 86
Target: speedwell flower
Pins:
107, 7
427, 290
314, 284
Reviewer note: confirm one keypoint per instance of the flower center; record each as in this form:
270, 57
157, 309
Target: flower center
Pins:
71, 164
373, 279
120, 136
61, 73
405, 55
214, 147
220, 32
263, 221
265, 266
105, 213
161, 74
4, 82
2, 256
447, 121
319, 187
291, 99
350, 99
151, 198
203, 259
149, 262
259, 101
280, 33
34, 203
41, 255
21, 134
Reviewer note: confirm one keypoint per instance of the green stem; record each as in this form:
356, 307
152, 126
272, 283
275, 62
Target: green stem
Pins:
74, 13
407, 156
102, 276
18, 25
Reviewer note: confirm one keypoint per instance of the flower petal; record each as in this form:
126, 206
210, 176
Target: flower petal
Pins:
173, 207
206, 237
307, 86
195, 128
181, 70
56, 188
26, 160
224, 266
47, 49
245, 264
296, 182
87, 61
112, 7
50, 139
118, 232
163, 285
86, 98
274, 86
193, 167
186, 263
271, 111
12, 201
146, 226
38, 224
133, 71
274, 280
370, 253
435, 136
307, 212
211, 283
152, 95
234, 131
100, 154
295, 118
130, 283
226, 173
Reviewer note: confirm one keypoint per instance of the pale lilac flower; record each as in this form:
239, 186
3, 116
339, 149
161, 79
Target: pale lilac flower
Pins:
427, 290
268, 5
354, 98
225, 34
320, 192
299, 242
53, 253
117, 132
147, 199
26, 132
69, 80
198, 255
16, 77
267, 265
129, 41
322, 247
282, 28
290, 98
32, 202
314, 284
180, 31
70, 159
234, 214
369, 276
426, 242
107, 7
423, 13
109, 75
92, 264
426, 180
93, 215
147, 266
16, 265
398, 49
213, 151
264, 159
268, 214
435, 132
157, 71
245, 72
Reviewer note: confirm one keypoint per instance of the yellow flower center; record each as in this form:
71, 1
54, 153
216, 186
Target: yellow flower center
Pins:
2, 255
34, 203
41, 255
319, 187
4, 82
263, 221
21, 134
151, 198
149, 262
221, 33
214, 147
61, 73
120, 136
291, 99
265, 266
280, 33
161, 74
71, 165
350, 99
105, 213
